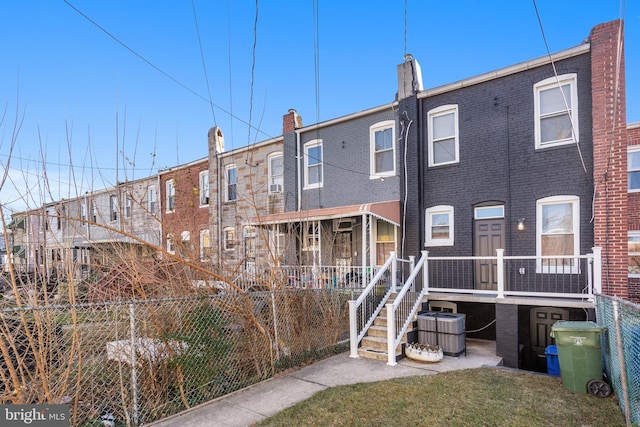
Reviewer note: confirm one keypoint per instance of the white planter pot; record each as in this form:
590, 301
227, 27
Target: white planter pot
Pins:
423, 355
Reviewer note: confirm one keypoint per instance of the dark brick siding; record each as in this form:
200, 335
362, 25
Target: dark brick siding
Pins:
498, 160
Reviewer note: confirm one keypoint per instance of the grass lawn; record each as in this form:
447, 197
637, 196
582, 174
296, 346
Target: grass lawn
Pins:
472, 397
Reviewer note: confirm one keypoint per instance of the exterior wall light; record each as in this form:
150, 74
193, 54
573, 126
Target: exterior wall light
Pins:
521, 224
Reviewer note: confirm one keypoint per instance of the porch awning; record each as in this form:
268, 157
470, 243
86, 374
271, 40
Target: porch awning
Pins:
387, 211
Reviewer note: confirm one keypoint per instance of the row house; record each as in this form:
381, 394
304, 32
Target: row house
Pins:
633, 167
69, 237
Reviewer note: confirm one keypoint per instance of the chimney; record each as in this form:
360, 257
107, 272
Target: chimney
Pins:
291, 121
409, 78
216, 140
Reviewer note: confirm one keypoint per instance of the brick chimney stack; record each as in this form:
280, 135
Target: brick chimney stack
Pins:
291, 121
610, 155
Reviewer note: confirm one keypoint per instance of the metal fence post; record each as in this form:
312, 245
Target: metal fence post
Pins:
134, 362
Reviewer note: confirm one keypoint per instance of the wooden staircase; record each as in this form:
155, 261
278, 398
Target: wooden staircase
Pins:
374, 344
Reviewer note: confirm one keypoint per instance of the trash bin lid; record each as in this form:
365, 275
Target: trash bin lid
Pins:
551, 350
572, 325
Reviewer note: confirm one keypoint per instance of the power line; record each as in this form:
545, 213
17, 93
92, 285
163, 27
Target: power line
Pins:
204, 66
155, 67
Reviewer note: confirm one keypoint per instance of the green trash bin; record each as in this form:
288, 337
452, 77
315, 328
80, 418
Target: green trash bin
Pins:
579, 354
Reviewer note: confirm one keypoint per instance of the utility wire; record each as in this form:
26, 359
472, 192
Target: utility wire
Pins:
204, 66
253, 68
173, 79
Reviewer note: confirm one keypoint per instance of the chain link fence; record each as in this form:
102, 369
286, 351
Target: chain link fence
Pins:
141, 361
622, 351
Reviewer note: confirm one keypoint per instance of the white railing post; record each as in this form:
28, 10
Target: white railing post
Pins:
425, 273
391, 335
412, 265
394, 271
500, 270
353, 330
597, 269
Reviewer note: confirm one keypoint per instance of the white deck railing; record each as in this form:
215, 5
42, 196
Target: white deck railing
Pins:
547, 277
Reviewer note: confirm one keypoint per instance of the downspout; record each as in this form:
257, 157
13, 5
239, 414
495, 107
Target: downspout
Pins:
219, 207
421, 185
299, 171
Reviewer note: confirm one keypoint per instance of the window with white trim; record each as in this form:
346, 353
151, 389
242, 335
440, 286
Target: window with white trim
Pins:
633, 168
382, 149
94, 211
556, 111
229, 238
277, 242
276, 172
231, 178
634, 253
313, 164
171, 244
83, 211
127, 206
558, 234
311, 236
204, 188
151, 199
170, 187
439, 226
443, 135
205, 245
113, 208
385, 241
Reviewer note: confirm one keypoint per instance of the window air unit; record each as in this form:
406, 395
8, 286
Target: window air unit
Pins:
342, 224
275, 188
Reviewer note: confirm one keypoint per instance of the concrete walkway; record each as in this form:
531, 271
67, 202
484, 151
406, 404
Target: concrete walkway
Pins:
252, 404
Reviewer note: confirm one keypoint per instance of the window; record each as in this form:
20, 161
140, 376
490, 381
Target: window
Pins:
229, 234
276, 242
487, 212
385, 241
276, 172
185, 237
231, 178
205, 245
313, 164
558, 233
439, 226
83, 211
634, 253
633, 168
556, 107
151, 200
443, 135
171, 244
171, 195
94, 211
311, 237
127, 206
381, 136
204, 188
113, 208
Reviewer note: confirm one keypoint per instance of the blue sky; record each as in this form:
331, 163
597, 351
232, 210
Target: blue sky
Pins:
85, 100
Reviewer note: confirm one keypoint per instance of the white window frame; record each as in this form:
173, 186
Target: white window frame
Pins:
170, 196
309, 145
151, 199
229, 244
380, 127
113, 208
277, 240
83, 211
127, 206
438, 112
634, 149
381, 242
171, 244
94, 211
635, 234
276, 181
439, 210
228, 184
574, 268
204, 194
311, 236
556, 83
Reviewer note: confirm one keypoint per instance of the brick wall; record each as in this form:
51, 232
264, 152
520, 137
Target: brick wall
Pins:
610, 154
633, 201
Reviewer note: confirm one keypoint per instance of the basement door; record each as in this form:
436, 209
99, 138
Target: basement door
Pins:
488, 235
541, 320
